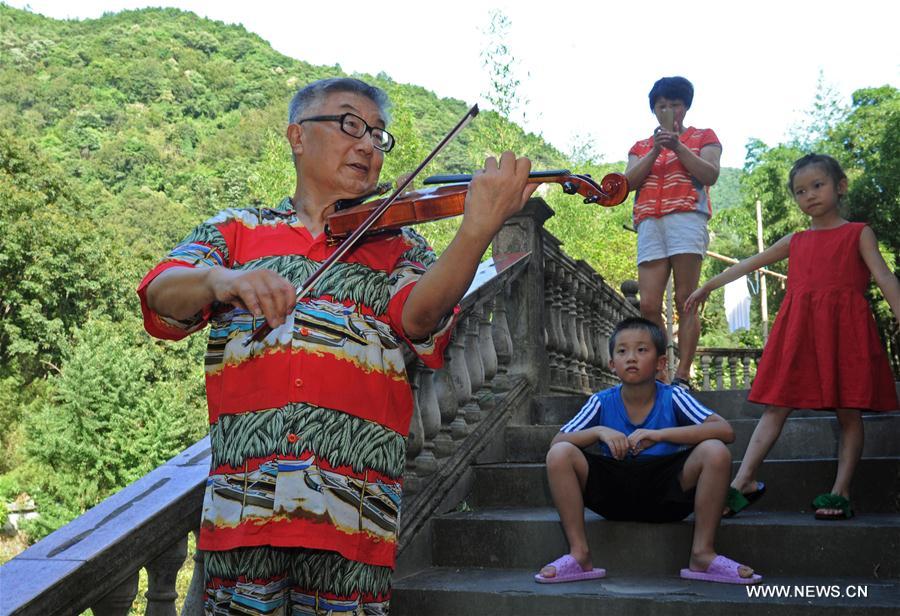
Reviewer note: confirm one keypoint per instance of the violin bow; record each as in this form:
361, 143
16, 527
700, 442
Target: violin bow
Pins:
263, 330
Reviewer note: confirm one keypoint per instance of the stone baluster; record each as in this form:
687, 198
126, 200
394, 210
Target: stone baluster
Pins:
453, 427
706, 368
427, 401
459, 374
550, 341
555, 342
607, 324
572, 301
596, 324
573, 380
488, 355
415, 440
475, 412
502, 343
578, 292
590, 335
745, 374
560, 321
193, 598
732, 372
119, 600
720, 372
562, 311
162, 572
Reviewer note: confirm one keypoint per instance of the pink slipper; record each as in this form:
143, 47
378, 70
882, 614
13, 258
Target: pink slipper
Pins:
723, 570
568, 570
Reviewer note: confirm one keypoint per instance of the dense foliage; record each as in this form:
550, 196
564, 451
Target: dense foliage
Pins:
118, 134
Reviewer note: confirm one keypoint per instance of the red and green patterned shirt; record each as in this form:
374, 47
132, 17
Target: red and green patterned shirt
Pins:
308, 426
670, 187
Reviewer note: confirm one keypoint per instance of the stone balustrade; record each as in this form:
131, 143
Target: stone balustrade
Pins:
580, 313
726, 368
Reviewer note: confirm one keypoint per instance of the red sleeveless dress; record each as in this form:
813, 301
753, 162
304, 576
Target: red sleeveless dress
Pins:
824, 351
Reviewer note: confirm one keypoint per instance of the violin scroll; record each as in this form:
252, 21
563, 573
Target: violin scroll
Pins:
615, 186
611, 191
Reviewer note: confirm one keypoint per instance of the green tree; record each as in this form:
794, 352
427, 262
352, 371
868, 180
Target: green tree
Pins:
56, 264
118, 389
497, 130
868, 144
870, 141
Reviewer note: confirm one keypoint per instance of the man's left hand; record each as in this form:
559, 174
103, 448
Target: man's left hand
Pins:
496, 193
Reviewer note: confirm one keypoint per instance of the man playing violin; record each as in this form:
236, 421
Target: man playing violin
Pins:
308, 425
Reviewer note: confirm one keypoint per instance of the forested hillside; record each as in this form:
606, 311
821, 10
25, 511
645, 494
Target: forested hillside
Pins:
118, 134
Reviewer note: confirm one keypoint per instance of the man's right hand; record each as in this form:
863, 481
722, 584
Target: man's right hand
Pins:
263, 293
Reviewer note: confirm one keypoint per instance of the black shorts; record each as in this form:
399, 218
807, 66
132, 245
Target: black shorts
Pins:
644, 489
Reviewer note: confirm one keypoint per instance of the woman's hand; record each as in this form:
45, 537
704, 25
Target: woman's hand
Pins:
666, 139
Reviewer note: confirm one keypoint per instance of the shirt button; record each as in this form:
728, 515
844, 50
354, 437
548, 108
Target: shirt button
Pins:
292, 438
298, 382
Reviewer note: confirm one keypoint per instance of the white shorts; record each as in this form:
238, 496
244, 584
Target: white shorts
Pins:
673, 234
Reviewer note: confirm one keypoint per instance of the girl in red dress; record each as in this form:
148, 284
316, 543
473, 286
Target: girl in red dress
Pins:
824, 351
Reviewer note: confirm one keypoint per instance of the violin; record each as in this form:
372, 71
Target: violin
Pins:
436, 203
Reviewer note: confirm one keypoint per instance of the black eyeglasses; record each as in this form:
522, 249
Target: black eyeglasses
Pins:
355, 126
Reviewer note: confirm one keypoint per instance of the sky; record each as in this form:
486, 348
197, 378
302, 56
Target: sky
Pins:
585, 68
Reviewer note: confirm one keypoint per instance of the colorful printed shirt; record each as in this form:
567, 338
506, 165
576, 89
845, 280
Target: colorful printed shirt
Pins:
308, 426
673, 407
670, 187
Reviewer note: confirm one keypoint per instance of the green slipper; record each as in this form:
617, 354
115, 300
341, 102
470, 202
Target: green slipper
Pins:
736, 501
832, 501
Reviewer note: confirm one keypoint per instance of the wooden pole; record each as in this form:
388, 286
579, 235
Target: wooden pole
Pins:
764, 306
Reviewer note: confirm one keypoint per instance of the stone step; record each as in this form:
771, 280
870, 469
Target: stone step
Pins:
801, 438
776, 544
790, 485
730, 404
451, 591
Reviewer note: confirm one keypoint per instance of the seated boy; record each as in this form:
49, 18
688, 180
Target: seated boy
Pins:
663, 457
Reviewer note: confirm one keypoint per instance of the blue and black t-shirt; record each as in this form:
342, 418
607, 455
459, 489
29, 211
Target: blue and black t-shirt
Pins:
673, 407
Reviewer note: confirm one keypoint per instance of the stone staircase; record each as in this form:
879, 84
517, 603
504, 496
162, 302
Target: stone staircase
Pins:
481, 558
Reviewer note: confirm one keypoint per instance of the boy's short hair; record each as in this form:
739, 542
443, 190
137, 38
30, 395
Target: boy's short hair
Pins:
674, 89
657, 335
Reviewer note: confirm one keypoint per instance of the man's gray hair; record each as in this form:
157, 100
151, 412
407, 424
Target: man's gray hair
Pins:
318, 90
